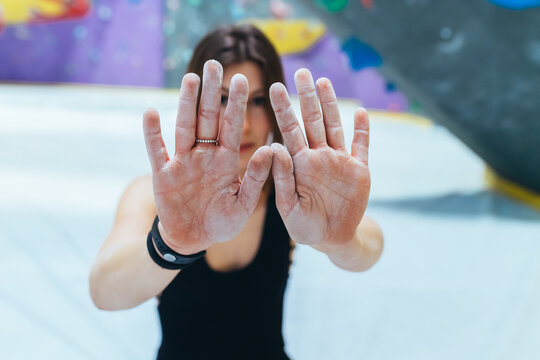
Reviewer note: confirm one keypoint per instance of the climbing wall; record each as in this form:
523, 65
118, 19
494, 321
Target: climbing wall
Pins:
117, 42
474, 66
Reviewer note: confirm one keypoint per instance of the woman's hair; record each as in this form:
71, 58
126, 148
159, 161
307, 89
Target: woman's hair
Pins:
233, 44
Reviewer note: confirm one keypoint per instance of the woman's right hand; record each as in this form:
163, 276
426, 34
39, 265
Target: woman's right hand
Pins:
199, 197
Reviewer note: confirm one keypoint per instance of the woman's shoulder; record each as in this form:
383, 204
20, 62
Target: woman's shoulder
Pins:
139, 193
141, 184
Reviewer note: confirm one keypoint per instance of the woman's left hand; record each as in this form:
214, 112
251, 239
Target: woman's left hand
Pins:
321, 190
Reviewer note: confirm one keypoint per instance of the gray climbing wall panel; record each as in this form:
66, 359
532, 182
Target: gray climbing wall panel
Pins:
474, 66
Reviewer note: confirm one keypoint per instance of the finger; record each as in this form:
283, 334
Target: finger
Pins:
309, 105
288, 124
360, 143
256, 174
330, 110
187, 112
284, 182
231, 132
210, 106
155, 147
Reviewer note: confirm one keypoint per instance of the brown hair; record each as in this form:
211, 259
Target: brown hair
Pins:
232, 44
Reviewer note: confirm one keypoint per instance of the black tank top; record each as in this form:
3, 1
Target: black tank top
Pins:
229, 315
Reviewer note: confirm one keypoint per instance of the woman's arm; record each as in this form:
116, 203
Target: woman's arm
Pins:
364, 249
196, 191
123, 274
322, 191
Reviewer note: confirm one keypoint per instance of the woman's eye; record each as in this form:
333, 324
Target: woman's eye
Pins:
259, 101
224, 100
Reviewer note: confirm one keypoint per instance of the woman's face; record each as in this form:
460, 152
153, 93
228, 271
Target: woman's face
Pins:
257, 123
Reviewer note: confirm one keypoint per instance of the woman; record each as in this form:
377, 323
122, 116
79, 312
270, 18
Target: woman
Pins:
222, 219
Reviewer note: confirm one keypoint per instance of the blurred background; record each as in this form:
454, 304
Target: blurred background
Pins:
453, 91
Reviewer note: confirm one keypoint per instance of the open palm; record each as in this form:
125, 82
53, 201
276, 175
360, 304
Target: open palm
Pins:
199, 197
321, 190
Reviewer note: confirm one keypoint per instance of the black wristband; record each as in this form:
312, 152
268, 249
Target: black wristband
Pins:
171, 259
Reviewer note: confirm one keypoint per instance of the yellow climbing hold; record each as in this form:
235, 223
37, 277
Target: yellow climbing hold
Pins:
22, 11
291, 36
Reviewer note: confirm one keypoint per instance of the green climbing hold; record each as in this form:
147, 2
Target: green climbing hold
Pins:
333, 6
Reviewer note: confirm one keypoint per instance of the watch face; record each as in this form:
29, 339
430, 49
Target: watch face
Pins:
169, 257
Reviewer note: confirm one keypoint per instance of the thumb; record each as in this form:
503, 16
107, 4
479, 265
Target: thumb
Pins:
256, 174
284, 182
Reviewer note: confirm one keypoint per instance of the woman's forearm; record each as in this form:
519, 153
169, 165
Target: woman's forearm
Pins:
363, 251
125, 276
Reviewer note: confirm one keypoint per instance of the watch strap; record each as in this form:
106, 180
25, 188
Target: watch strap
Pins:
169, 258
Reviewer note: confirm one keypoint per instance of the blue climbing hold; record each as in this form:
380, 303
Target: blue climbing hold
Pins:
361, 55
516, 4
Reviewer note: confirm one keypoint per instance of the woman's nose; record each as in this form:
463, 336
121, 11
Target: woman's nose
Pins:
247, 124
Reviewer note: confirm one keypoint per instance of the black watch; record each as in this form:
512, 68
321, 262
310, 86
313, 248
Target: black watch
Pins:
169, 258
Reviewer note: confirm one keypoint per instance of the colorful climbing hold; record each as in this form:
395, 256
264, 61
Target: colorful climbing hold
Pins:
516, 4
291, 36
360, 54
334, 6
